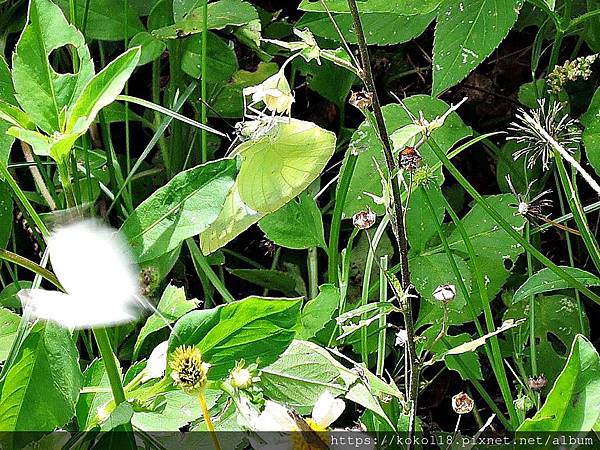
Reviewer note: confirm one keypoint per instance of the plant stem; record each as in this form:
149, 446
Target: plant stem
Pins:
203, 90
336, 220
313, 273
209, 425
202, 264
506, 226
383, 266
397, 215
570, 190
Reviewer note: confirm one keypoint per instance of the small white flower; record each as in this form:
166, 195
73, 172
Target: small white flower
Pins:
275, 92
157, 362
94, 266
401, 337
445, 292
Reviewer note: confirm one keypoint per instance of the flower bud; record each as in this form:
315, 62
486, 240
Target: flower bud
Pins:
364, 219
401, 338
445, 292
242, 377
462, 403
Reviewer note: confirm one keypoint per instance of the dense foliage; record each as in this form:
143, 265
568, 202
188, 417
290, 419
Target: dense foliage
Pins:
373, 215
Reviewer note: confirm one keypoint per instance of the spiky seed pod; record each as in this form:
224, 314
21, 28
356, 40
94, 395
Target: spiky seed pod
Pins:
189, 371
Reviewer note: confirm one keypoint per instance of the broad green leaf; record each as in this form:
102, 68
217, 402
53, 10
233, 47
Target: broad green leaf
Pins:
172, 305
545, 280
94, 376
152, 48
250, 329
278, 166
407, 7
469, 360
7, 101
183, 208
268, 279
571, 405
8, 296
296, 225
380, 28
228, 102
327, 79
6, 213
319, 311
430, 271
221, 61
102, 91
557, 321
370, 152
591, 134
121, 415
46, 373
220, 14
106, 19
300, 376
9, 323
466, 33
420, 226
42, 93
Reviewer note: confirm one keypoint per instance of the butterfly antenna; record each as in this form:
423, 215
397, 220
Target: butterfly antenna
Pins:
147, 304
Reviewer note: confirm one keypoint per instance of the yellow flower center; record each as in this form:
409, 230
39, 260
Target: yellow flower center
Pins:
304, 440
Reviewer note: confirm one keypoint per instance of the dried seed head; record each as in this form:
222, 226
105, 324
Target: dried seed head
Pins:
409, 159
462, 403
361, 99
189, 371
530, 127
364, 219
532, 208
445, 292
537, 383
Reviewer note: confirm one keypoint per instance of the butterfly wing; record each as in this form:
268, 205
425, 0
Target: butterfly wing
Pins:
92, 261
71, 311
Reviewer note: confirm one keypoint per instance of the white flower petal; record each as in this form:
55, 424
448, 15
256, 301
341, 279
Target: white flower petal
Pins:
157, 362
275, 417
327, 409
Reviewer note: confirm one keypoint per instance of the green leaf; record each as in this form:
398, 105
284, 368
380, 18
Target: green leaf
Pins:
221, 61
300, 376
46, 373
466, 33
571, 405
121, 415
276, 167
330, 81
319, 311
380, 28
545, 280
407, 7
280, 165
152, 48
9, 323
557, 322
420, 226
102, 90
172, 305
183, 208
220, 14
268, 279
591, 134
370, 152
42, 93
228, 101
8, 296
7, 101
87, 407
250, 329
106, 19
296, 225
